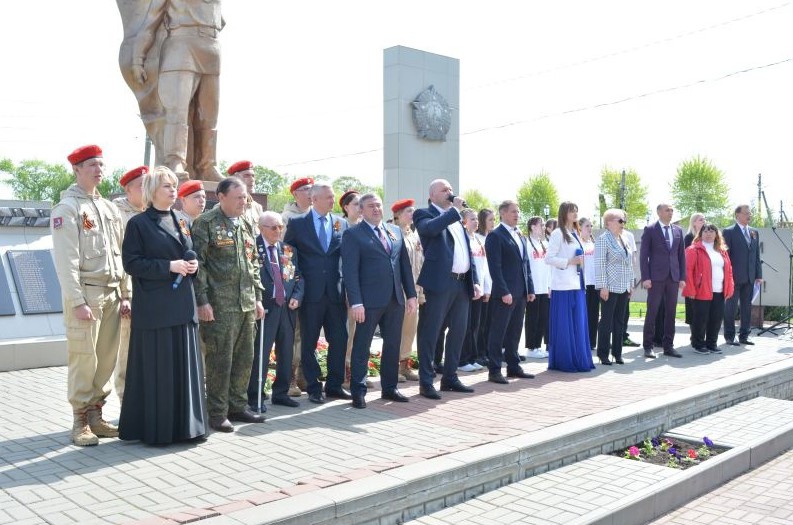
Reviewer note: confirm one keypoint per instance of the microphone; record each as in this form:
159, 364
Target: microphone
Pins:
189, 255
453, 196
578, 251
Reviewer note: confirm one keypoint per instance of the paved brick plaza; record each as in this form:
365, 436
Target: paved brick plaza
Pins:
45, 479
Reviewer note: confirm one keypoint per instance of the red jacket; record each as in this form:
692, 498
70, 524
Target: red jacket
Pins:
699, 279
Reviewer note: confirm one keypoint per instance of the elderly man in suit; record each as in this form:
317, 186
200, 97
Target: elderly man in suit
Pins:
508, 261
283, 291
316, 238
662, 261
744, 250
378, 277
448, 279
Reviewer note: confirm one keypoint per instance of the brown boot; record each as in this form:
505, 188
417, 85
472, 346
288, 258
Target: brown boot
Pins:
81, 432
347, 376
301, 379
406, 371
294, 391
99, 426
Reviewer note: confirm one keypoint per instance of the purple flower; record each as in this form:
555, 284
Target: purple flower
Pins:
673, 451
656, 442
708, 442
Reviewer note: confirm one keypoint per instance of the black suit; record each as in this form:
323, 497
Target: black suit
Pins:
448, 296
323, 304
746, 268
278, 324
511, 274
379, 281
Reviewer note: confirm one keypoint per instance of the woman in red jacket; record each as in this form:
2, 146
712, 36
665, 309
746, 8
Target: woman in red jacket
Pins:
709, 283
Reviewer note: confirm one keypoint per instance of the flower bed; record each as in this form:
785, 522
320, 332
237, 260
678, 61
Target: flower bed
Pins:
672, 453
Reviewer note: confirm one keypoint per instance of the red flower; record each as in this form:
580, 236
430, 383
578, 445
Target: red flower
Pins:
371, 365
692, 453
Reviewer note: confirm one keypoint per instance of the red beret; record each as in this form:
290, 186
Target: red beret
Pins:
133, 174
240, 166
84, 153
402, 204
299, 183
190, 187
345, 195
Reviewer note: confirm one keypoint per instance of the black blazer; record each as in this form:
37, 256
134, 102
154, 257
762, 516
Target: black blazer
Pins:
511, 273
147, 252
745, 258
293, 286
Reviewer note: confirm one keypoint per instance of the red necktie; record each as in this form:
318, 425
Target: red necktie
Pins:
280, 295
383, 241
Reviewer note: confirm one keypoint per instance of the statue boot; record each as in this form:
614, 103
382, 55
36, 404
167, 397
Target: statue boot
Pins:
205, 153
405, 371
81, 432
99, 426
175, 150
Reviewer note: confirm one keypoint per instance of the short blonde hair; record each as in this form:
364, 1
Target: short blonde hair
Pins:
154, 180
612, 213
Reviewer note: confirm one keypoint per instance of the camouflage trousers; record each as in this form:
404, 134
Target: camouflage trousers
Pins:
228, 341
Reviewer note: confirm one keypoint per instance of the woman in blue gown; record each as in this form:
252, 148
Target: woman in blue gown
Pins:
568, 330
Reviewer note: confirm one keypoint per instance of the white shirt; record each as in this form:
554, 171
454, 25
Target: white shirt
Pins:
515, 237
461, 261
716, 267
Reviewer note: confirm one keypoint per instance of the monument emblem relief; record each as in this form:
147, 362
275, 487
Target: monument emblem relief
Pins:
431, 115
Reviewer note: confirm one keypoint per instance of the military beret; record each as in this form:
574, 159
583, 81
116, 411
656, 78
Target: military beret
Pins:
133, 174
240, 166
402, 204
299, 183
190, 187
345, 196
84, 153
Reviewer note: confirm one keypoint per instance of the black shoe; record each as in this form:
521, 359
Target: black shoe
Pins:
338, 394
628, 342
619, 361
358, 401
429, 392
605, 361
520, 374
497, 377
221, 424
649, 354
522, 357
731, 342
455, 386
672, 353
394, 395
246, 416
745, 341
262, 408
701, 350
317, 398
285, 401
714, 349
438, 367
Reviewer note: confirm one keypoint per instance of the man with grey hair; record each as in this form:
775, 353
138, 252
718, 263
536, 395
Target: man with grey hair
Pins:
316, 237
747, 270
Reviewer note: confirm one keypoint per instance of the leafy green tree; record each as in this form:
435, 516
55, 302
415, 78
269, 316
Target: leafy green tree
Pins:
537, 193
268, 181
110, 185
635, 194
699, 186
476, 200
36, 180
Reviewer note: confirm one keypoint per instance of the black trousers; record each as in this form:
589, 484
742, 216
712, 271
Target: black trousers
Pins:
612, 325
536, 321
592, 310
471, 351
743, 294
706, 317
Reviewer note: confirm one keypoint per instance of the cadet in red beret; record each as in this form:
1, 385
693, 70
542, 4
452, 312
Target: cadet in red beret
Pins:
401, 205
403, 217
133, 174
301, 183
239, 166
194, 198
243, 169
84, 153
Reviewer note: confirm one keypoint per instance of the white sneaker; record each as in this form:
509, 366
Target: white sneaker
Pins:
477, 366
467, 368
534, 354
543, 352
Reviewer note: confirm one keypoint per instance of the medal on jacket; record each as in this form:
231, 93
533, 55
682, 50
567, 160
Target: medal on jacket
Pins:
88, 224
183, 227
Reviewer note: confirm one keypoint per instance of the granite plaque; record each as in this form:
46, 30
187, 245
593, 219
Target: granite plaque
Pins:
36, 281
6, 303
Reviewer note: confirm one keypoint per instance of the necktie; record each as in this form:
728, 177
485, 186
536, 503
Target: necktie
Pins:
280, 294
746, 234
668, 238
323, 233
520, 241
383, 240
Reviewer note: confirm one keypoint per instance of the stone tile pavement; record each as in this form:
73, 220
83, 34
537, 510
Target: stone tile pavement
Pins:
44, 479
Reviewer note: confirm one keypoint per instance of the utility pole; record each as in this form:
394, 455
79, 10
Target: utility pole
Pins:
147, 152
759, 194
622, 191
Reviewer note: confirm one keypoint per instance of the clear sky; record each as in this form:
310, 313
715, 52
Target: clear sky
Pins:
541, 85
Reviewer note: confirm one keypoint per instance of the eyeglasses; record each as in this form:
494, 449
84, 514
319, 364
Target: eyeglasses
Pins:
621, 221
277, 227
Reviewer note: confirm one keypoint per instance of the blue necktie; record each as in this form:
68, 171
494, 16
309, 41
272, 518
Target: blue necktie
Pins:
323, 233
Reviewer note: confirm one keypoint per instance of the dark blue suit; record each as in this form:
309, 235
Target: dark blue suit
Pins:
379, 281
278, 325
746, 268
665, 267
511, 274
448, 298
323, 304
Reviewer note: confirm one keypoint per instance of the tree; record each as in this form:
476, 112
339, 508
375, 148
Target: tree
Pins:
699, 186
537, 193
36, 180
476, 200
635, 194
268, 181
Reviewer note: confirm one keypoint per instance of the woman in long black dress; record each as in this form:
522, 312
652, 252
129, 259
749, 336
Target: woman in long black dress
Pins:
164, 399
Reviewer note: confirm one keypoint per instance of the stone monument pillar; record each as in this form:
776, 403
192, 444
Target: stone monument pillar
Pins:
421, 123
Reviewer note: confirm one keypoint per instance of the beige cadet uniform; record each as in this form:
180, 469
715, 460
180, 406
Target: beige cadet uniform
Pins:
127, 212
292, 210
253, 210
86, 234
410, 322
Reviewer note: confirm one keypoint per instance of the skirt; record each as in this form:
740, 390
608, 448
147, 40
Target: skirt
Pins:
568, 332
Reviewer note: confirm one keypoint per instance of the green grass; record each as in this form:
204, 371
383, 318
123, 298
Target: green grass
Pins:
638, 310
